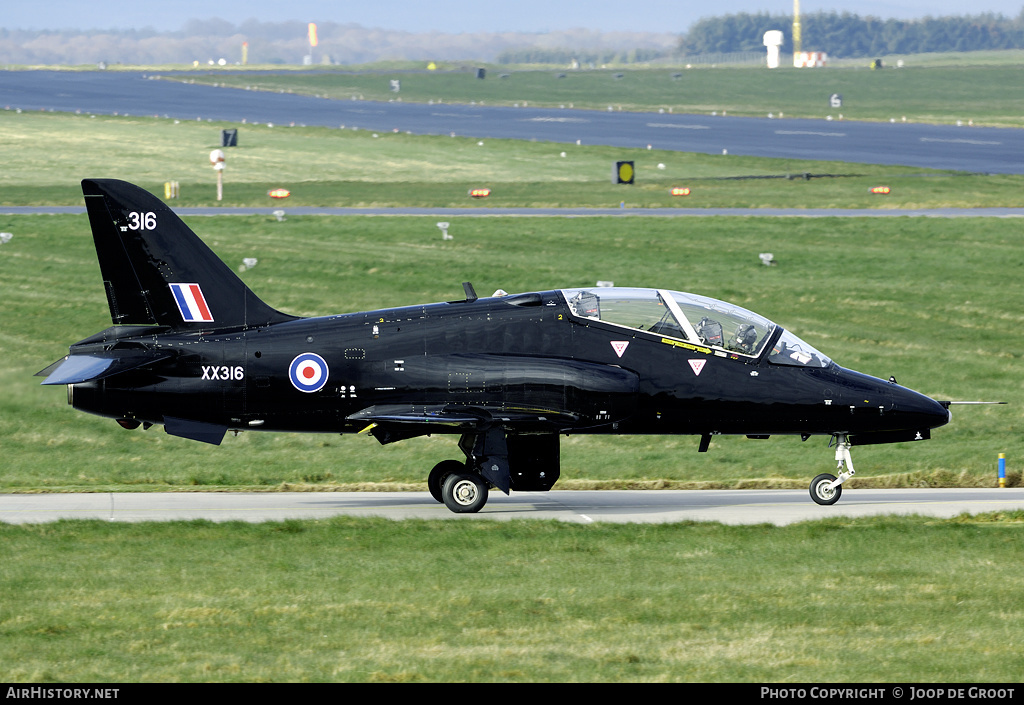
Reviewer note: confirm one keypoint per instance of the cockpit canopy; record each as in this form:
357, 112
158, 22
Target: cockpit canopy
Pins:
696, 319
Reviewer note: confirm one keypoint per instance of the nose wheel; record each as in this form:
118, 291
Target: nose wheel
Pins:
827, 489
824, 491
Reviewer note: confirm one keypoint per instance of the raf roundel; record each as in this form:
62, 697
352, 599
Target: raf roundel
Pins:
308, 372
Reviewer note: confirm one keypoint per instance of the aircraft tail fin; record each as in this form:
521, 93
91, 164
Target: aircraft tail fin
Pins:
157, 271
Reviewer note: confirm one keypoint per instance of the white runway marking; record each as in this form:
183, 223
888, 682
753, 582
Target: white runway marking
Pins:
958, 141
810, 132
675, 126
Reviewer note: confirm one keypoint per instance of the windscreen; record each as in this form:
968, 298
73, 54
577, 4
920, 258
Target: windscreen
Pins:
697, 319
790, 350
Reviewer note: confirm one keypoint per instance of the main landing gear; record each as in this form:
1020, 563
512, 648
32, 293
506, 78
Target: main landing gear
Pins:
495, 459
460, 490
827, 489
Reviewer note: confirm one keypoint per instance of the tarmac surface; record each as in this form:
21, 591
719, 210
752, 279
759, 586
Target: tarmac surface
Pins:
778, 507
959, 147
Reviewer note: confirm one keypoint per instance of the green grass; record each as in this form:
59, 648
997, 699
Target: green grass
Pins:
922, 91
368, 600
932, 301
331, 167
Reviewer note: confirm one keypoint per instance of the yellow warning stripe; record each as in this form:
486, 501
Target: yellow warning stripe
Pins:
688, 346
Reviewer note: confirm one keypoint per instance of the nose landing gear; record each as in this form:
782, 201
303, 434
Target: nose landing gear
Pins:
827, 489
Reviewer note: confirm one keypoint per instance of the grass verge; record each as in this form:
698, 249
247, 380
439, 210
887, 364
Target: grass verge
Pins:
924, 91
363, 168
910, 599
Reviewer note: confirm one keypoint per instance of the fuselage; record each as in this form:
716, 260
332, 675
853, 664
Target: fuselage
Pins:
533, 357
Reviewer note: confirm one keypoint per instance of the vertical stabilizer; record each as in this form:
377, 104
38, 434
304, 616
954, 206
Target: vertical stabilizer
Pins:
157, 271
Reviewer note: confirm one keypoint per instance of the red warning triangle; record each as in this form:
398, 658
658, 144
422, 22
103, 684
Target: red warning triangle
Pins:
697, 365
619, 346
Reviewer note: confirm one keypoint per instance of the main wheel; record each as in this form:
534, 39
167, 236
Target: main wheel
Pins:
464, 492
437, 476
820, 492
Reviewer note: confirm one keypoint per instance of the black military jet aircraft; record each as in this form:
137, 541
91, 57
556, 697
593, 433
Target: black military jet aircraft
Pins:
194, 349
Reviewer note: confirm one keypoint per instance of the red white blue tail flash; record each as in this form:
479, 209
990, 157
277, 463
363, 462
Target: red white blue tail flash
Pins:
191, 303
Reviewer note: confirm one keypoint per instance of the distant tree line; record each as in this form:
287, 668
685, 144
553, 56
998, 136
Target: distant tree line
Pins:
841, 35
287, 43
849, 35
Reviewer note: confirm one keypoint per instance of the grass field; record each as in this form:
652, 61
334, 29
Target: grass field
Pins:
330, 167
892, 600
922, 91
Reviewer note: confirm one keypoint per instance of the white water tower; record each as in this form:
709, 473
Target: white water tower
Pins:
773, 40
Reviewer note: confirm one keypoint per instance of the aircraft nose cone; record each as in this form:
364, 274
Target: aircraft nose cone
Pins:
919, 410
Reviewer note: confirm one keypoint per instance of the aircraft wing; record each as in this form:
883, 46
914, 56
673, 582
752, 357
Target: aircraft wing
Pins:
82, 367
521, 393
468, 417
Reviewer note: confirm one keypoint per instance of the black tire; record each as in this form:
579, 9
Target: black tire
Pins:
820, 495
464, 492
437, 476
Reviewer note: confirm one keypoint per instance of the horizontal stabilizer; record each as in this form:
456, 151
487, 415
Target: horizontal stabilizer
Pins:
195, 430
84, 367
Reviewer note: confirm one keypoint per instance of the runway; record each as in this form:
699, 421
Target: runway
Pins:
962, 148
777, 507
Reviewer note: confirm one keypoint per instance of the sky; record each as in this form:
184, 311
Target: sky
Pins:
458, 16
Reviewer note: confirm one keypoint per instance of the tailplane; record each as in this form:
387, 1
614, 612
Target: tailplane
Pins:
156, 271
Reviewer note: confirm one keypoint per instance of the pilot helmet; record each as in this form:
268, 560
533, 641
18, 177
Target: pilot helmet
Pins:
746, 336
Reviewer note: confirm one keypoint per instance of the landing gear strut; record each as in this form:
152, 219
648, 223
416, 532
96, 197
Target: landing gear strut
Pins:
827, 489
490, 456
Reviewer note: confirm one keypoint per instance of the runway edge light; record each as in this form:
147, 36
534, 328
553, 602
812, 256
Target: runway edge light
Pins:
680, 191
479, 192
880, 189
